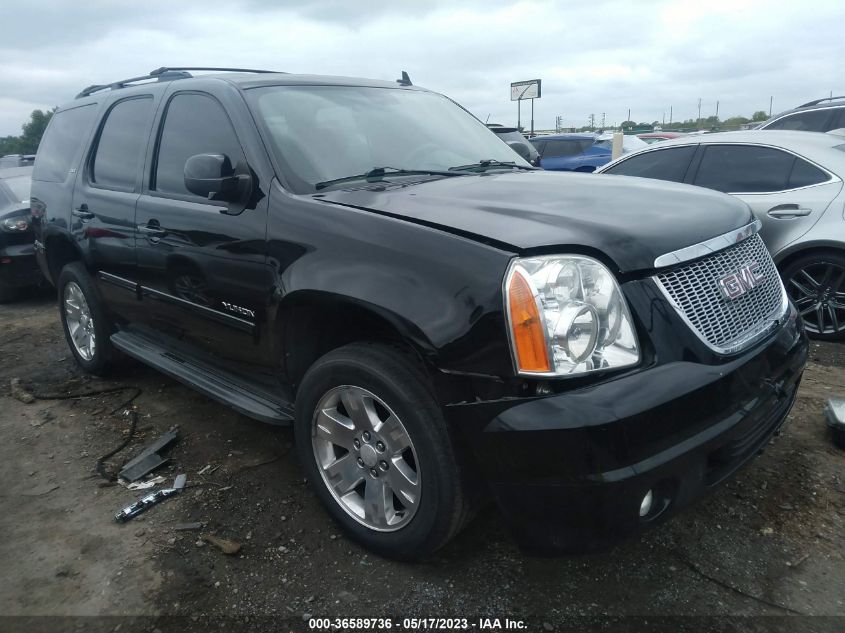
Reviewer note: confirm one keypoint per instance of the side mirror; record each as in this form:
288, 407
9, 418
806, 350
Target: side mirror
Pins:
520, 149
211, 176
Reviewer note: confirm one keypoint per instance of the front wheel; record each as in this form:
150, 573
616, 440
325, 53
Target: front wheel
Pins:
86, 326
816, 285
377, 453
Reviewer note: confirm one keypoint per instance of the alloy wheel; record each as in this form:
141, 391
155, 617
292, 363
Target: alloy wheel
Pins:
366, 458
80, 323
818, 292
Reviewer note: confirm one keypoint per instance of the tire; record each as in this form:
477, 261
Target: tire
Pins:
90, 319
815, 283
8, 293
392, 388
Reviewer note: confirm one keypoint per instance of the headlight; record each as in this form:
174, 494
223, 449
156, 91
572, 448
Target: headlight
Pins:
15, 224
567, 316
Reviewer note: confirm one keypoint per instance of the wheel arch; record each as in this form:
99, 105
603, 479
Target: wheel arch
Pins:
60, 250
787, 256
312, 323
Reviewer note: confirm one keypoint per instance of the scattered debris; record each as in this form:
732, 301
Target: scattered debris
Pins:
148, 459
834, 411
186, 527
204, 470
150, 500
795, 564
767, 531
224, 545
146, 484
19, 392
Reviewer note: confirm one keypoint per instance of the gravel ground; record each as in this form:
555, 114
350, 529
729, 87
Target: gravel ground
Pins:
764, 552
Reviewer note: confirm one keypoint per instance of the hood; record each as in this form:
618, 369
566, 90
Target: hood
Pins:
632, 221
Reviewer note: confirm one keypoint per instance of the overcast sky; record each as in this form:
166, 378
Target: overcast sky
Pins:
603, 56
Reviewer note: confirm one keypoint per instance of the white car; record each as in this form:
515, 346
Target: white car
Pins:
793, 182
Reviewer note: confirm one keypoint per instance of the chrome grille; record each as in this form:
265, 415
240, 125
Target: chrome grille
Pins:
727, 325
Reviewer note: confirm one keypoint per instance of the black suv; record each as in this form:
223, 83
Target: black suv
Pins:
440, 322
821, 115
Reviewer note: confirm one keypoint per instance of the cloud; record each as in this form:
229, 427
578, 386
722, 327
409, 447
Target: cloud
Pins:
600, 57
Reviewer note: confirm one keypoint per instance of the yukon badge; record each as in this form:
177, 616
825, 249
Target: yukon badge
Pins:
737, 284
238, 309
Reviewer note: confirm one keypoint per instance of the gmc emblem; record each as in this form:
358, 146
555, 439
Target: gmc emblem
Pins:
737, 284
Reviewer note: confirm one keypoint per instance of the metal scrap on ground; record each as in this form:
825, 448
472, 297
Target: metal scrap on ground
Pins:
149, 459
144, 503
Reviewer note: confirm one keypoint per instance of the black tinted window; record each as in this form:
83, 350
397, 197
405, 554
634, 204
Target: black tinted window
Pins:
809, 121
120, 149
744, 169
62, 143
838, 121
558, 147
665, 164
194, 124
804, 174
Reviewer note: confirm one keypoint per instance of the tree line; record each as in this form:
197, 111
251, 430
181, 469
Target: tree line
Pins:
708, 123
33, 130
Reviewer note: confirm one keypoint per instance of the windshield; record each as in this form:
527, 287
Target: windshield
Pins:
322, 133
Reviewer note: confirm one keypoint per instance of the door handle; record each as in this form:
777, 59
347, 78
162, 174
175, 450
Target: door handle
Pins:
152, 231
788, 211
83, 213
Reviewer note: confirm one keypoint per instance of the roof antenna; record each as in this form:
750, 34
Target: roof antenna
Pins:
405, 80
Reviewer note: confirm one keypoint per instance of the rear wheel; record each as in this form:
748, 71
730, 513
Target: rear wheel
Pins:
376, 450
86, 326
816, 285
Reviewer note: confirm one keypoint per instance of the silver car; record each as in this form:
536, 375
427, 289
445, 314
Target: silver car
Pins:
793, 182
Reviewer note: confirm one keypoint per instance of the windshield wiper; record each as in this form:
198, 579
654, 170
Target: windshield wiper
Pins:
377, 173
491, 163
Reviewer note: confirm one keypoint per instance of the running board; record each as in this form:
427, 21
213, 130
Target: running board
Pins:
209, 380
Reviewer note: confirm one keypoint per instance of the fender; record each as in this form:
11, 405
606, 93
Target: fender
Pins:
440, 292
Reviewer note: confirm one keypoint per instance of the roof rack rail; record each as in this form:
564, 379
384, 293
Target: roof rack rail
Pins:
818, 101
165, 73
165, 69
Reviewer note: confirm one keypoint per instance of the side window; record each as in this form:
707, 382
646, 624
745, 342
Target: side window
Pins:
744, 169
664, 164
804, 174
809, 121
62, 143
193, 124
120, 149
838, 121
558, 147
540, 146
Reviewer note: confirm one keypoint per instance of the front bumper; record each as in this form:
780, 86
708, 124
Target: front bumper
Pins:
18, 267
570, 471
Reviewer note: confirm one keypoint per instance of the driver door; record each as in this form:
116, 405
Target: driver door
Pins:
201, 263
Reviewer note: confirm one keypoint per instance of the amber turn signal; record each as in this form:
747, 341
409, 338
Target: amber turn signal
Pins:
532, 354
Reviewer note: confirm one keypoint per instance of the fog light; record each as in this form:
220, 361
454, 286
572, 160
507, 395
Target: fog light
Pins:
645, 504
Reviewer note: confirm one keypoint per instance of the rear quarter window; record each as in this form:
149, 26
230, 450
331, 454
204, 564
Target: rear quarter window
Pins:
62, 143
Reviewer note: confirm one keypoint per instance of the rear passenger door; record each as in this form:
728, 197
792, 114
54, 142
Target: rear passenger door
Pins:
786, 192
103, 210
201, 263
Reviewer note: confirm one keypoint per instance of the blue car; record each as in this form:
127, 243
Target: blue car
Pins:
572, 152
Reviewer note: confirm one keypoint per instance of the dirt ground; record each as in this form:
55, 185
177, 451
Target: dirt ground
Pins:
762, 553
